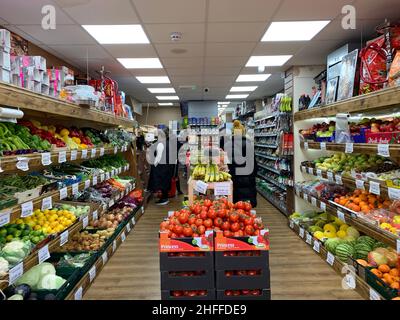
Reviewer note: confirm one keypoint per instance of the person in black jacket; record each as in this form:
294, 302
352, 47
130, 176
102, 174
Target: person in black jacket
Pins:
241, 164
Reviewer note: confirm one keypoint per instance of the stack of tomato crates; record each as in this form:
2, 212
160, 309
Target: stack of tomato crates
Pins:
187, 267
242, 267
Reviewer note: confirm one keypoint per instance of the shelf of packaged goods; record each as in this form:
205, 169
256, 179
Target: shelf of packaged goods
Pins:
273, 201
264, 126
29, 101
262, 135
62, 238
340, 267
352, 218
269, 168
281, 186
370, 148
270, 146
273, 115
351, 182
86, 281
267, 156
36, 161
25, 209
378, 100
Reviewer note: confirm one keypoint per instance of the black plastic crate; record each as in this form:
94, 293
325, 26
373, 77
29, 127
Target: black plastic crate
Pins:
224, 282
265, 295
167, 295
170, 262
241, 262
192, 282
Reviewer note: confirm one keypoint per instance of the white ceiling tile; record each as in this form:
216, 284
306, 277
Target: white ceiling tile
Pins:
225, 61
182, 62
185, 71
186, 80
370, 9
29, 12
175, 11
240, 10
63, 34
278, 48
191, 32
109, 64
271, 70
80, 52
221, 71
148, 72
218, 81
235, 32
192, 50
131, 50
230, 49
100, 11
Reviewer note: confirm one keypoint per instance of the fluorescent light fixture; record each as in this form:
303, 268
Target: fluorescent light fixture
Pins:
236, 96
140, 63
253, 77
294, 30
117, 34
161, 90
167, 97
166, 104
243, 89
223, 103
272, 61
146, 79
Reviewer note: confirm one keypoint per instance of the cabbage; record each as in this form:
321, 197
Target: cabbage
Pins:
33, 276
16, 251
4, 266
50, 282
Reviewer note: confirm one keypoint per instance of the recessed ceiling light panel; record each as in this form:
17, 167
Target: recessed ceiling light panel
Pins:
269, 61
243, 89
294, 30
140, 63
165, 104
117, 34
161, 90
236, 96
167, 98
148, 79
252, 77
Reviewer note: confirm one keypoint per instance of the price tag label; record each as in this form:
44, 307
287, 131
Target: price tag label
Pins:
74, 155
47, 203
316, 246
291, 224
123, 237
349, 147
78, 294
92, 273
101, 152
330, 176
338, 179
222, 189
341, 216
330, 258
62, 156
46, 159
383, 150
373, 295
170, 213
5, 218
87, 183
115, 150
64, 238
374, 187
94, 180
43, 254
111, 203
350, 281
301, 232
128, 227
394, 193
305, 145
75, 189
314, 201
85, 222
133, 220
104, 257
84, 154
319, 173
102, 177
201, 186
303, 169
26, 209
114, 245
322, 205
310, 171
63, 193
15, 273
398, 246
360, 184
23, 163
322, 145
305, 196
107, 175
308, 238
93, 152
95, 215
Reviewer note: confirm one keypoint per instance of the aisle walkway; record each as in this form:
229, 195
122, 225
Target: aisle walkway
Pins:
296, 272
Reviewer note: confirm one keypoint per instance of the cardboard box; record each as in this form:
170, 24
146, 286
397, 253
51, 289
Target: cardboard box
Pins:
236, 282
171, 282
260, 242
172, 261
45, 78
202, 243
5, 40
31, 61
243, 261
265, 295
45, 89
166, 295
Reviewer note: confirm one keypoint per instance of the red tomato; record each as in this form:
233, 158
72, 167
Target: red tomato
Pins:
249, 222
201, 229
242, 217
257, 232
221, 213
207, 203
241, 233
176, 214
240, 211
235, 227
239, 205
178, 229
247, 206
199, 222
236, 234
228, 273
217, 222
227, 233
204, 208
192, 219
203, 215
195, 235
234, 217
252, 272
226, 226
249, 230
245, 292
208, 223
177, 293
164, 225
228, 292
255, 292
183, 217
211, 213
236, 292
174, 235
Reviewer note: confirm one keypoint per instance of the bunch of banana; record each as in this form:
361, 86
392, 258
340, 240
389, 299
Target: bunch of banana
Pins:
199, 172
286, 104
214, 175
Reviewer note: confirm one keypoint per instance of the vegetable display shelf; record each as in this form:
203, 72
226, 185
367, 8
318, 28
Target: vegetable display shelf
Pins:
279, 185
62, 238
273, 201
370, 148
340, 267
352, 219
381, 99
85, 282
26, 209
35, 103
36, 161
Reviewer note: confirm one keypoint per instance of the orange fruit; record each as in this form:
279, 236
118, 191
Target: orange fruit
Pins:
377, 272
384, 268
395, 285
394, 272
389, 279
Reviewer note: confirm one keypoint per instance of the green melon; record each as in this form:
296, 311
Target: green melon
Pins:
331, 244
367, 240
361, 251
379, 244
344, 251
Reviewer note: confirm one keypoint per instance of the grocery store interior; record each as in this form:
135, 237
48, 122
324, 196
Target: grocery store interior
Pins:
199, 150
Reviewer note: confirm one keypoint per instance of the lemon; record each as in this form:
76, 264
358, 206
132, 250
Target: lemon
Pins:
37, 227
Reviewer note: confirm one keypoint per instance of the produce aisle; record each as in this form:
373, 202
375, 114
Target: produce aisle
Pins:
133, 272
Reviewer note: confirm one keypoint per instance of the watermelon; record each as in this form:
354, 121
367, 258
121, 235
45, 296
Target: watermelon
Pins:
331, 244
361, 250
379, 244
367, 240
344, 251
349, 240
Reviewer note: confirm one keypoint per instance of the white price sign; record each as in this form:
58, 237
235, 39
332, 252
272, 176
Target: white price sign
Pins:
222, 189
101, 152
123, 237
305, 145
301, 232
114, 245
319, 173
5, 218
316, 246
62, 156
373, 295
75, 188
330, 176
142, 210
111, 203
322, 205
323, 145
394, 193
128, 227
398, 246
115, 150
314, 201
360, 184
85, 222
133, 220
374, 187
93, 152
78, 294
95, 215
64, 238
15, 273
23, 163
338, 179
102, 177
349, 148
305, 196
350, 281
46, 158
310, 171
92, 273
43, 254
26, 209
63, 193
94, 180
330, 258
341, 216
104, 257
201, 186
47, 203
107, 176
291, 224
303, 169
74, 155
87, 183
84, 154
308, 238
383, 150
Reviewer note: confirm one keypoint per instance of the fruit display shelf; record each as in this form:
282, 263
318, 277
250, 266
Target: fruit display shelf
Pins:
370, 148
279, 185
273, 201
382, 99
269, 168
35, 103
37, 161
351, 218
85, 282
343, 269
270, 146
26, 209
267, 156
